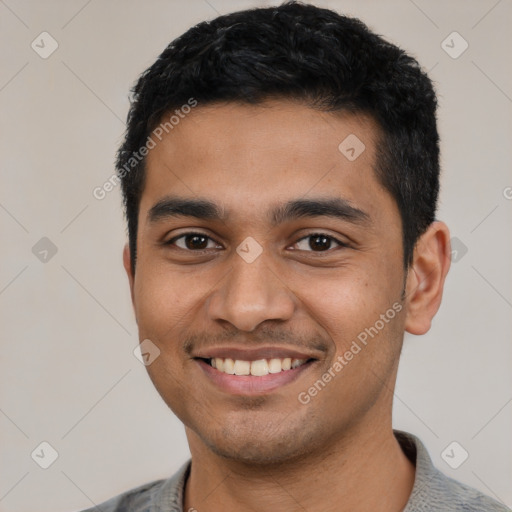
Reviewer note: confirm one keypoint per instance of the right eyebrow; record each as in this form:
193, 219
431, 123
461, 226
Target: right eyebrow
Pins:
169, 207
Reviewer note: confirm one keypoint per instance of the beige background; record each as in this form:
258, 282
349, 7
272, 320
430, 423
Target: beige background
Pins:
68, 375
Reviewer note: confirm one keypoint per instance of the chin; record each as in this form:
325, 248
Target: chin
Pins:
255, 455
260, 447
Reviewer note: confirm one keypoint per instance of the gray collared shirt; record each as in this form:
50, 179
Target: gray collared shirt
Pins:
432, 490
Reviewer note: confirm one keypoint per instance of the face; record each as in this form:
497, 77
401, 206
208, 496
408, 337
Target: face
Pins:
317, 284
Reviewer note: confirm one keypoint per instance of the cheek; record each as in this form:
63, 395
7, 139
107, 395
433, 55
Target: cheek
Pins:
161, 303
348, 304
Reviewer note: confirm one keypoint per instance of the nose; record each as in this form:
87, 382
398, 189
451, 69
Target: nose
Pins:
251, 293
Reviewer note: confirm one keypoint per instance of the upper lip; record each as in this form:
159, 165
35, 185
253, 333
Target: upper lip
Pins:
252, 354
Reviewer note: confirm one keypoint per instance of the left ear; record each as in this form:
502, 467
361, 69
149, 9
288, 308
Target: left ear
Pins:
426, 276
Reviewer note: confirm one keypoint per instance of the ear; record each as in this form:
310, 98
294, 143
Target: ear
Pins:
426, 276
127, 263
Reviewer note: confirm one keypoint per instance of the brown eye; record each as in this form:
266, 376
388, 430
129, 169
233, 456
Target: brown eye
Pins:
192, 242
318, 242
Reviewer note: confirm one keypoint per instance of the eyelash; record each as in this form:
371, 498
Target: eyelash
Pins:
315, 234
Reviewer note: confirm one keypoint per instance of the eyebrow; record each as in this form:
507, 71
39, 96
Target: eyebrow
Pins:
204, 209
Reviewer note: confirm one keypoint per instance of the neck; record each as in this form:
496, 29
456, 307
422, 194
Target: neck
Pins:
365, 469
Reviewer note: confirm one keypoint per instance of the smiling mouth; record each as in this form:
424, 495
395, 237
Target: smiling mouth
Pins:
257, 368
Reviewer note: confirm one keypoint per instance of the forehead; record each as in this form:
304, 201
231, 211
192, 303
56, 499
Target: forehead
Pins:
247, 157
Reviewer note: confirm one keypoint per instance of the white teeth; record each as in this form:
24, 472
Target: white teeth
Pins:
229, 366
287, 363
242, 367
260, 367
274, 366
256, 368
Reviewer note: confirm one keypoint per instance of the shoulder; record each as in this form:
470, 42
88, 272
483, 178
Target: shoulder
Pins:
434, 491
445, 493
137, 499
156, 496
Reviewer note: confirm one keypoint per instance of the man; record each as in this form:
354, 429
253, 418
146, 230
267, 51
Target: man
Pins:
280, 173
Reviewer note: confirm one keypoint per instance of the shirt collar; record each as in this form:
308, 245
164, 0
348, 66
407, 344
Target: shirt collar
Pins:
170, 497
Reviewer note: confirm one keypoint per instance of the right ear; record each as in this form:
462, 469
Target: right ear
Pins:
127, 263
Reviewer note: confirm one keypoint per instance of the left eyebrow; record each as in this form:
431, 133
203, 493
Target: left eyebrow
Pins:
204, 209
334, 207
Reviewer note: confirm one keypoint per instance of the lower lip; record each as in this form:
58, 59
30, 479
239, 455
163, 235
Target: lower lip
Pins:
250, 384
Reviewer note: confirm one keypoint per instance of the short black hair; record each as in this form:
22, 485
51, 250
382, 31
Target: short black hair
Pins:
296, 51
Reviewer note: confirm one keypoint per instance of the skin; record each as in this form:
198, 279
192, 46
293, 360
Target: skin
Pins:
271, 452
